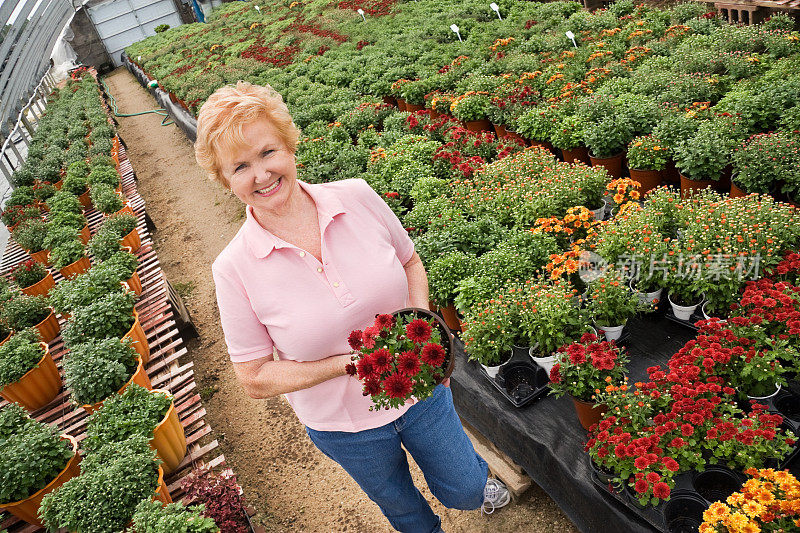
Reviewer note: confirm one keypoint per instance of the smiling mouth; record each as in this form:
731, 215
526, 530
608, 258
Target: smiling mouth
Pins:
266, 191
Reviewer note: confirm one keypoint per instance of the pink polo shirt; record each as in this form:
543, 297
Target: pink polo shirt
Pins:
273, 295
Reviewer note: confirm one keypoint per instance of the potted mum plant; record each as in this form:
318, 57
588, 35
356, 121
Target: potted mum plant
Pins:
764, 159
97, 369
220, 493
124, 226
537, 126
90, 503
69, 258
402, 355
105, 199
488, 335
444, 274
21, 312
155, 517
584, 367
611, 304
549, 319
647, 158
702, 158
139, 411
33, 278
472, 108
567, 135
30, 236
28, 375
82, 290
606, 140
35, 461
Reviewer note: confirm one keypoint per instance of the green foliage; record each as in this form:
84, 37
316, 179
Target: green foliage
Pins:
18, 355
21, 312
608, 137
64, 201
104, 244
103, 499
119, 225
445, 273
122, 264
21, 196
137, 411
109, 316
33, 454
30, 234
75, 184
763, 159
66, 253
106, 199
103, 173
647, 153
96, 369
153, 517
82, 290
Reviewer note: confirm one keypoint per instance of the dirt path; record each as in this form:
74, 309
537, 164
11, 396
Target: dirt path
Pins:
292, 485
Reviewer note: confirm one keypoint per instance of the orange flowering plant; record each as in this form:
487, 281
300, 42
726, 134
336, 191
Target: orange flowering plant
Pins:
624, 190
647, 153
611, 303
548, 316
768, 501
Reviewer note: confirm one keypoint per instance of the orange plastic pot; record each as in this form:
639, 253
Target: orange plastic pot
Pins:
85, 234
613, 164
136, 334
42, 256
689, 186
389, 100
650, 179
162, 492
127, 210
588, 413
49, 328
736, 192
401, 104
478, 126
169, 437
78, 267
671, 173
543, 144
450, 317
27, 510
499, 130
85, 200
41, 287
38, 386
139, 377
411, 108
134, 284
132, 240
59, 184
576, 155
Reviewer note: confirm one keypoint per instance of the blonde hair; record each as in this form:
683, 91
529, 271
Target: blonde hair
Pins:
227, 111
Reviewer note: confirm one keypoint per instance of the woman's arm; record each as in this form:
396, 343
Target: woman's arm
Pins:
417, 282
264, 378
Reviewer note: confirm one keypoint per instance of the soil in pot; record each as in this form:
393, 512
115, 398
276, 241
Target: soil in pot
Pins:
684, 513
716, 484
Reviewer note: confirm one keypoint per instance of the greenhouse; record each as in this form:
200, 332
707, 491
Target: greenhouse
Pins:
399, 265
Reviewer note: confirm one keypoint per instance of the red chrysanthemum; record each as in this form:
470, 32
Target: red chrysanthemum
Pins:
381, 360
433, 354
351, 369
365, 369
555, 373
641, 486
661, 490
653, 477
641, 463
397, 385
384, 321
372, 387
408, 363
355, 339
418, 331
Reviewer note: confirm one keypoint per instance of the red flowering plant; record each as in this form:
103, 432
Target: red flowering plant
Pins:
585, 367
788, 269
768, 309
399, 357
29, 273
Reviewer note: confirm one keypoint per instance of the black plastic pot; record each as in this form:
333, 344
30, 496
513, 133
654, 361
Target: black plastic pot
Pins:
716, 483
521, 382
789, 406
683, 513
520, 351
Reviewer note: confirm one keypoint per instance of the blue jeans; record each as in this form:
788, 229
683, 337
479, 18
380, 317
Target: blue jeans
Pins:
432, 433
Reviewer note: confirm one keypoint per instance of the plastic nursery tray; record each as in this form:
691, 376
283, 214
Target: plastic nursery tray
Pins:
694, 492
521, 382
697, 315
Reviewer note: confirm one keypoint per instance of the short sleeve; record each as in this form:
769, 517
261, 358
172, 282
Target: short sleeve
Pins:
403, 245
247, 338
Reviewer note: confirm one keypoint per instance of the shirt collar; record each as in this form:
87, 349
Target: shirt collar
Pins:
262, 242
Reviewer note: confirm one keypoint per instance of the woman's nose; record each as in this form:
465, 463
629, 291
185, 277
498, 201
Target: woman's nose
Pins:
262, 173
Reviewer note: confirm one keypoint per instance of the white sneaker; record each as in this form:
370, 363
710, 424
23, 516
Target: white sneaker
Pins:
495, 496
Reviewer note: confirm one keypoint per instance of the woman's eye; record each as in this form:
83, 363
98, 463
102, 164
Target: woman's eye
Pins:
265, 153
239, 167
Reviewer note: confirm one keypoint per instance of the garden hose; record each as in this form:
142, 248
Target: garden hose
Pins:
160, 111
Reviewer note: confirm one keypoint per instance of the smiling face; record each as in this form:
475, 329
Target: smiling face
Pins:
262, 172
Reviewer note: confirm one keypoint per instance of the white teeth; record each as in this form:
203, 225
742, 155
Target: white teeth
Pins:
272, 187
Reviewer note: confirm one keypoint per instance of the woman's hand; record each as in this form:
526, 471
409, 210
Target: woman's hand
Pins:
264, 378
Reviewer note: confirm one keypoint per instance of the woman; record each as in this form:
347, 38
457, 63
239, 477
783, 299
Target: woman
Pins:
310, 264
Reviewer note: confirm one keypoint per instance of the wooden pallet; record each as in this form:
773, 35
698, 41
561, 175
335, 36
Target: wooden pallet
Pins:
500, 465
167, 368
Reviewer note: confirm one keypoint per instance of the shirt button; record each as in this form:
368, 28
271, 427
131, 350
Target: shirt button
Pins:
319, 269
302, 254
335, 283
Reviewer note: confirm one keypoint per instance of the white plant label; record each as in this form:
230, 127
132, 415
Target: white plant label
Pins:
361, 12
496, 9
454, 28
571, 37
258, 9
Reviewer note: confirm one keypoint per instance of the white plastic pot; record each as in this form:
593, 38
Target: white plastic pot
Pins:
683, 312
612, 333
493, 370
545, 362
600, 213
